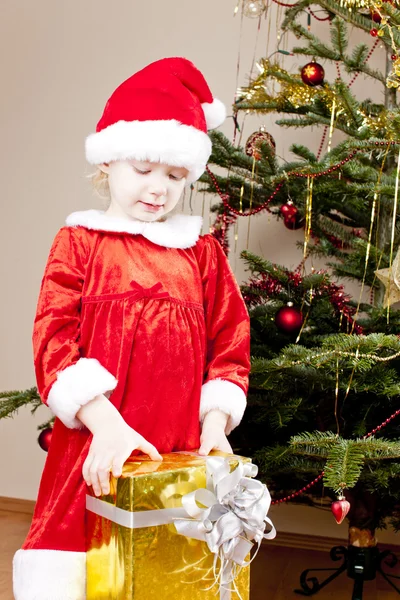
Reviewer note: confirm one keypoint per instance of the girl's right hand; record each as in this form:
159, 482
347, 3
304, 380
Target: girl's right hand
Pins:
110, 448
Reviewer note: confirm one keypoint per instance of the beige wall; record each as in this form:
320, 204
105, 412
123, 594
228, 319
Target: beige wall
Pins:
61, 61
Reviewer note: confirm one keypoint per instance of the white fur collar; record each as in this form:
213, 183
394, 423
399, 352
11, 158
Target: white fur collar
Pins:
177, 231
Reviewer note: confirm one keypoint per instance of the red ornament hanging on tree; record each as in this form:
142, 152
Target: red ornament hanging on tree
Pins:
293, 222
255, 141
291, 216
289, 319
340, 508
375, 16
44, 438
288, 209
313, 74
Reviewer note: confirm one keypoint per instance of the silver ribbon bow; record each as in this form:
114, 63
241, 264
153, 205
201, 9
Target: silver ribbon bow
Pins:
235, 514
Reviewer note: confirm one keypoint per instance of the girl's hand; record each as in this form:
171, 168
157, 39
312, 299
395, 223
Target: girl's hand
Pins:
110, 447
213, 433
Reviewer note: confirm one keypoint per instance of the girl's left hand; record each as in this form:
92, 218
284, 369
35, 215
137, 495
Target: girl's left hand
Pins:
213, 434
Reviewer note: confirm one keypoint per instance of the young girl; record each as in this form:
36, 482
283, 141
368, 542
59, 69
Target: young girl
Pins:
141, 337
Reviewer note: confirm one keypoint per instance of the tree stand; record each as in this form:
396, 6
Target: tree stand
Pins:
362, 563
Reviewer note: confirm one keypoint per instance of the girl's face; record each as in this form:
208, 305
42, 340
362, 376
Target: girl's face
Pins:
143, 190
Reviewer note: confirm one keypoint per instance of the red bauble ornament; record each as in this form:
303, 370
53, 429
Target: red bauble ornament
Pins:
313, 74
340, 508
288, 210
44, 438
253, 144
289, 319
293, 222
374, 32
375, 16
393, 56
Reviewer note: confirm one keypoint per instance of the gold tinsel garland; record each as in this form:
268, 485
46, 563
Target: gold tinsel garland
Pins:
295, 93
354, 4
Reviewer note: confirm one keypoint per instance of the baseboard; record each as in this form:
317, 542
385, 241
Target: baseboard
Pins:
18, 505
301, 541
283, 539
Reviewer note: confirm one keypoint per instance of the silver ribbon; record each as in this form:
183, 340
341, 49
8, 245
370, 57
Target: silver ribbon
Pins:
234, 516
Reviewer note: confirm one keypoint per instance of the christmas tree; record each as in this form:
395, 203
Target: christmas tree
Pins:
323, 406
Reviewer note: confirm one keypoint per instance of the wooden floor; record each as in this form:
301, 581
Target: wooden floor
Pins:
275, 572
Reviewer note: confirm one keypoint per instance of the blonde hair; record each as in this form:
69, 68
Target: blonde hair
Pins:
99, 181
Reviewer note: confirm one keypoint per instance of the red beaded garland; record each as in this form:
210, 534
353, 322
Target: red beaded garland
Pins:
322, 143
225, 197
284, 4
316, 16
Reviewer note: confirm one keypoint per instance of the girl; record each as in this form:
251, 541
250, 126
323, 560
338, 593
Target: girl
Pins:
141, 337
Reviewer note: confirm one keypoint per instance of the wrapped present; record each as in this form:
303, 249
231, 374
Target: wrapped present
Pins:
177, 529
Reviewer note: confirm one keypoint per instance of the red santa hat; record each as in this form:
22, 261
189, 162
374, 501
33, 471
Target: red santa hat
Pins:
160, 114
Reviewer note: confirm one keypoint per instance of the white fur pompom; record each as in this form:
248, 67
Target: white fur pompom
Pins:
214, 112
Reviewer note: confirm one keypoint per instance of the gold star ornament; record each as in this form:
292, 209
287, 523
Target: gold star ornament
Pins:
391, 280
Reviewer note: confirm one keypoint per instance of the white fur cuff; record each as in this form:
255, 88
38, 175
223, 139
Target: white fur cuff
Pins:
49, 575
76, 386
226, 396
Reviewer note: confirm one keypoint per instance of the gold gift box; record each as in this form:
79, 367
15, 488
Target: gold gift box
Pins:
153, 562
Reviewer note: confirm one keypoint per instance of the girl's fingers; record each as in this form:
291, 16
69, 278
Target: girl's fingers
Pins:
225, 446
103, 473
117, 467
206, 448
149, 449
94, 478
86, 468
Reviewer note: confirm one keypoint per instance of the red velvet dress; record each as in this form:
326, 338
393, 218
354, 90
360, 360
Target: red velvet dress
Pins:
157, 322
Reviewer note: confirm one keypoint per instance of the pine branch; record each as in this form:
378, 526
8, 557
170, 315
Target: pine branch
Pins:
339, 40
303, 152
318, 443
344, 464
315, 46
13, 400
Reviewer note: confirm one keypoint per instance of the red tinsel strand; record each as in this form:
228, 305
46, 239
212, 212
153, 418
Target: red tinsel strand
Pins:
260, 285
295, 278
220, 228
